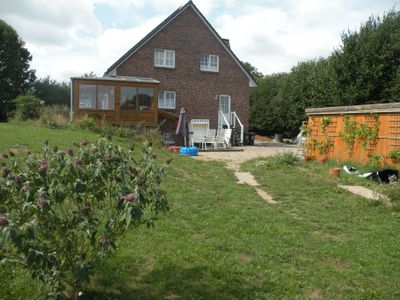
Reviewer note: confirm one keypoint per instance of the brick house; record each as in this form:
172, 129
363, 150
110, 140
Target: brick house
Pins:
195, 68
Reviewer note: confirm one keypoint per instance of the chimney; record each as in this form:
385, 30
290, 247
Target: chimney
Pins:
226, 42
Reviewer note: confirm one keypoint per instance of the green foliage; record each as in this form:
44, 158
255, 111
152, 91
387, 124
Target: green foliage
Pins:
364, 69
52, 92
326, 121
349, 134
15, 76
62, 213
28, 107
375, 161
325, 146
55, 116
394, 155
253, 71
367, 134
286, 159
86, 123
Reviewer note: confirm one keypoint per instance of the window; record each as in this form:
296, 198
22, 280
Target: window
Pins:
166, 99
128, 98
105, 97
145, 96
164, 58
209, 63
87, 96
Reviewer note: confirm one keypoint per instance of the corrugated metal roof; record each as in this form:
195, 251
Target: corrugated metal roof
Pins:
356, 109
120, 78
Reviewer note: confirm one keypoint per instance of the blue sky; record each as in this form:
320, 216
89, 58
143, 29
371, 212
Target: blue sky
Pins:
71, 37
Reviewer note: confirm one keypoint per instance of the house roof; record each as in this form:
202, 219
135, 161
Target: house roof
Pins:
156, 30
120, 78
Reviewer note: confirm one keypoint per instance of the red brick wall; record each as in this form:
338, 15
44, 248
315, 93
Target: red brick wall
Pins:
195, 90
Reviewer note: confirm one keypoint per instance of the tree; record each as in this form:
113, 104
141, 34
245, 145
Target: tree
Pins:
253, 71
51, 91
15, 75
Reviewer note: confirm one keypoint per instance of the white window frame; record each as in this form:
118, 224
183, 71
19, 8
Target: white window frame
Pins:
162, 99
164, 58
209, 65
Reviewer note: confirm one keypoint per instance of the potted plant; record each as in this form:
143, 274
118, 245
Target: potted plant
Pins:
335, 171
323, 149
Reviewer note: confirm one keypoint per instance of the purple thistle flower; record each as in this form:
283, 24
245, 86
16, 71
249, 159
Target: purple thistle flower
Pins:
85, 142
17, 179
5, 171
3, 220
42, 202
43, 169
70, 152
130, 197
78, 162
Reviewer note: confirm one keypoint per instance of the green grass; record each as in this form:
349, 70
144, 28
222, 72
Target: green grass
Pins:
220, 240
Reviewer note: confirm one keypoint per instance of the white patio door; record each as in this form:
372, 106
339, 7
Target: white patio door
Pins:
225, 108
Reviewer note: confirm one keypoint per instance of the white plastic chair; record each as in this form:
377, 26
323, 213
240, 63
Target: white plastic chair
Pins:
210, 138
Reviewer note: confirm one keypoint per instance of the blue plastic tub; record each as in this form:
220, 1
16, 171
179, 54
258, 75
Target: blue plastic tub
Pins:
190, 151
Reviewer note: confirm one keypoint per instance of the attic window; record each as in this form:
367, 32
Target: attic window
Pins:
164, 58
209, 63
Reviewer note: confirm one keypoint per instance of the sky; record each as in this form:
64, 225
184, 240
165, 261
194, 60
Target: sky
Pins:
71, 37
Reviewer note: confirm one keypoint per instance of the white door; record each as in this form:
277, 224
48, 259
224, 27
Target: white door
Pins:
225, 108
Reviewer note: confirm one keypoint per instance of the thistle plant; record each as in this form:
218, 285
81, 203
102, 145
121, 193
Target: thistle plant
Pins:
61, 213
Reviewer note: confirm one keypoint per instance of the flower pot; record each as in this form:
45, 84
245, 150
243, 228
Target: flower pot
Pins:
322, 160
335, 171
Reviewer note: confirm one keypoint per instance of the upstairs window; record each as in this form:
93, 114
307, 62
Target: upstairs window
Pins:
164, 58
209, 63
166, 99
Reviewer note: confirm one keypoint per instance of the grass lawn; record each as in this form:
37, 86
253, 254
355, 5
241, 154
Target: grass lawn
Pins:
221, 240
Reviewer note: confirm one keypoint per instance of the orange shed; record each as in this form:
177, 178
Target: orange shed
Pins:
361, 133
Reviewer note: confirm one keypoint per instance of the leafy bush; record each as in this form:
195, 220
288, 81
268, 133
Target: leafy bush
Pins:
62, 213
54, 116
86, 123
28, 107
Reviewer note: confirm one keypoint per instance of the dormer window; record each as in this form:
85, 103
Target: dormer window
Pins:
209, 63
164, 58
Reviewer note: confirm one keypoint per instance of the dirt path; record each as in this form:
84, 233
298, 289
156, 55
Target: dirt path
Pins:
234, 159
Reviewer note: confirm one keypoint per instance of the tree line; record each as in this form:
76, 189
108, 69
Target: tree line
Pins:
17, 78
364, 69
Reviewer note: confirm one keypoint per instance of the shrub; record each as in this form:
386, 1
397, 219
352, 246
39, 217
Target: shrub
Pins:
86, 123
27, 107
61, 213
54, 116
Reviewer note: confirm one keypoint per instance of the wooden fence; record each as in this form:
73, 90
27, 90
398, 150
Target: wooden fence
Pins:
358, 133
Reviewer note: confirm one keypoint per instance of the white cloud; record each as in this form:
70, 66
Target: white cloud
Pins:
277, 38
66, 38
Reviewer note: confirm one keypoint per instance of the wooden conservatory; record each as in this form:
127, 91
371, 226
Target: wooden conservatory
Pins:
115, 100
